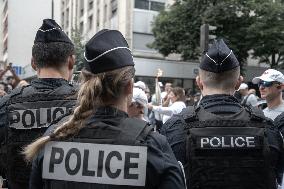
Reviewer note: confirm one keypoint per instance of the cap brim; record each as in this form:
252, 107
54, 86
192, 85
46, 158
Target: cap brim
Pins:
256, 80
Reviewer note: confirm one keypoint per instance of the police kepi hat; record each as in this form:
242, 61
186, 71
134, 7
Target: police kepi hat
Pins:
219, 58
49, 32
107, 50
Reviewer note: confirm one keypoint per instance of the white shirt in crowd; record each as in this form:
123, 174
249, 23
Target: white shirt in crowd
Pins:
168, 112
250, 99
274, 112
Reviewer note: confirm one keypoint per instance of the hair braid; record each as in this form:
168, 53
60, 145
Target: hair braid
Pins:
96, 90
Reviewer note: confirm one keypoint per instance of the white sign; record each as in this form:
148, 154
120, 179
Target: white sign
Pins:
95, 163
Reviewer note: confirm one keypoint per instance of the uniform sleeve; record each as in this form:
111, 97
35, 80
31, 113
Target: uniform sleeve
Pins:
278, 132
161, 158
3, 127
3, 117
36, 173
173, 129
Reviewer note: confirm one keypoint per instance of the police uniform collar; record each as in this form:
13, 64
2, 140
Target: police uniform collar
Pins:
220, 103
52, 82
107, 50
219, 58
110, 111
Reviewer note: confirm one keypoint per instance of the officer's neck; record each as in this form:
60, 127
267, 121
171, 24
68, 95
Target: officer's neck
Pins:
209, 91
120, 104
52, 73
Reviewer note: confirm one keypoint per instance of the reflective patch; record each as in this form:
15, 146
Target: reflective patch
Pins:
35, 118
206, 142
95, 163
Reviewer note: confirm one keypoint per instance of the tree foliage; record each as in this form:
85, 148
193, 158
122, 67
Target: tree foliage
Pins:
267, 33
244, 24
79, 49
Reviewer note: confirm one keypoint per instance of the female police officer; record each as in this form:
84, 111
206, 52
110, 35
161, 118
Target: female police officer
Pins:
99, 146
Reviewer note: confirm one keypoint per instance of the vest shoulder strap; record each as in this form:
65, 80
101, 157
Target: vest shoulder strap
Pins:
133, 130
189, 114
256, 114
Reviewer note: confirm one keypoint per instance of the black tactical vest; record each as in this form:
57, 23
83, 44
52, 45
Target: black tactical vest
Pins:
227, 151
130, 132
30, 111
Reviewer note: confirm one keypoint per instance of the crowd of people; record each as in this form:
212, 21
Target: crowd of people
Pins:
112, 132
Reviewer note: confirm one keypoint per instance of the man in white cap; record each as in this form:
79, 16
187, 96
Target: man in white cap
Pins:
270, 85
248, 99
138, 105
140, 85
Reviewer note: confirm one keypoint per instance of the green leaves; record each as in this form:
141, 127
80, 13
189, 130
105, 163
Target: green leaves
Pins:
79, 49
246, 25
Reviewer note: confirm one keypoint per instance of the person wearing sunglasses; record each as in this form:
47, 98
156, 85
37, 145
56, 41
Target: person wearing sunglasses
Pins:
270, 85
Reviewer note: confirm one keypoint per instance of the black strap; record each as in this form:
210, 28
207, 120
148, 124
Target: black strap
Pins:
132, 128
244, 102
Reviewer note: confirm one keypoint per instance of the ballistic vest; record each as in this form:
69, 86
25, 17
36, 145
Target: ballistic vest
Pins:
100, 156
30, 111
229, 151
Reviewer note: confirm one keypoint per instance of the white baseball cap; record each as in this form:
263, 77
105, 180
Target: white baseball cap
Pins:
140, 84
243, 86
139, 96
269, 75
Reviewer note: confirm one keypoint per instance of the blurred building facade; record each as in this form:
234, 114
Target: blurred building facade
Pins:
20, 20
19, 23
134, 20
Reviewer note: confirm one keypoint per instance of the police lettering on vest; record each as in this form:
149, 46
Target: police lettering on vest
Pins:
227, 142
35, 118
95, 163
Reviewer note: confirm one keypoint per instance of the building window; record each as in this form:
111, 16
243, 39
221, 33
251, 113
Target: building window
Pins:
62, 19
149, 5
157, 6
142, 4
91, 5
81, 27
67, 17
81, 8
90, 21
105, 13
98, 17
113, 8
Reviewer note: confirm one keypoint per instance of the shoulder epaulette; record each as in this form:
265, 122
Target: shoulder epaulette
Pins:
256, 114
189, 114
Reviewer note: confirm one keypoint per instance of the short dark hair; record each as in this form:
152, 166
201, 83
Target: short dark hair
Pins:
52, 54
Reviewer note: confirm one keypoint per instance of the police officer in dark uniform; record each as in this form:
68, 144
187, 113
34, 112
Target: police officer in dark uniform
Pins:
99, 146
221, 143
26, 113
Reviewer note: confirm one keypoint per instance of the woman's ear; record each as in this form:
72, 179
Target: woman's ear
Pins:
199, 83
129, 87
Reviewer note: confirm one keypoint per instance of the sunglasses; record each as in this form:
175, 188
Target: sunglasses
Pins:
266, 83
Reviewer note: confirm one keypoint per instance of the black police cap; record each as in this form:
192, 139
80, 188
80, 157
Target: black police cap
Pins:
219, 58
106, 51
49, 32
